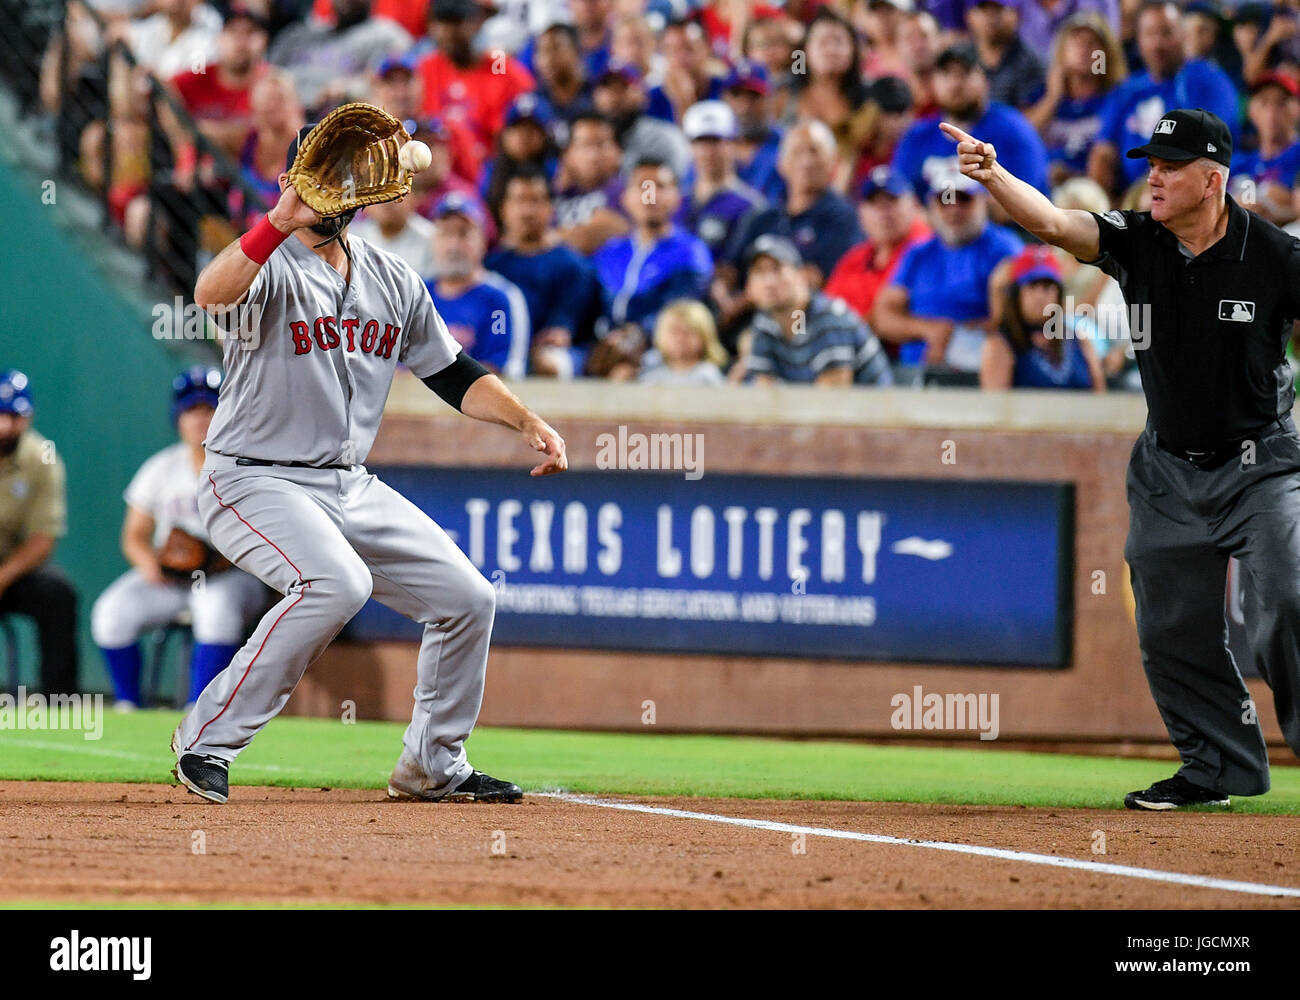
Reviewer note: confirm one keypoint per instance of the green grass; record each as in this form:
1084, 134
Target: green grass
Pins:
324, 752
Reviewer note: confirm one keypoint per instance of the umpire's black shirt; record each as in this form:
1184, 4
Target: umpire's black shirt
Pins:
1213, 366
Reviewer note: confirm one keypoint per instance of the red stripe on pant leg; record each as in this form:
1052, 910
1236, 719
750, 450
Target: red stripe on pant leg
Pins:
277, 548
246, 670
231, 508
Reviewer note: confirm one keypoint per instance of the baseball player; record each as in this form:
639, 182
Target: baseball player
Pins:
1216, 472
286, 496
162, 523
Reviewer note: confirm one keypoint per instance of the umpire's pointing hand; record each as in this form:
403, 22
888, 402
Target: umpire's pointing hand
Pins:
975, 158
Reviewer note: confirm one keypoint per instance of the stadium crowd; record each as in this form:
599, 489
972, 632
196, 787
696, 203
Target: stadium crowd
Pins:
684, 192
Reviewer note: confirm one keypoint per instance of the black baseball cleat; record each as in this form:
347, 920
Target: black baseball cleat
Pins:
480, 787
1174, 793
204, 775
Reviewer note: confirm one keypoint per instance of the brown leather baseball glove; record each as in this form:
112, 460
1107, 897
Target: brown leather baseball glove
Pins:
182, 555
350, 159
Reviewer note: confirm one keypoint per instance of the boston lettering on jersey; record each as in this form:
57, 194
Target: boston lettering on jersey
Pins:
330, 332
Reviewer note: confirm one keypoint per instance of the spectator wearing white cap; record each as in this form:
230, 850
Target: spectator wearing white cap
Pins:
716, 201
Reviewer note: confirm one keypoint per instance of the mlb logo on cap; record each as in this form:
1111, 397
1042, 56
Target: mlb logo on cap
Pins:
1165, 126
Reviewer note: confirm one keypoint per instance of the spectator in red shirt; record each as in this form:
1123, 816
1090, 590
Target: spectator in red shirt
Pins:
410, 14
219, 98
462, 85
892, 221
397, 89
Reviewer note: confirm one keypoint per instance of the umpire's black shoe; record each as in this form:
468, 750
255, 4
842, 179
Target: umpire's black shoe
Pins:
480, 787
204, 775
1174, 793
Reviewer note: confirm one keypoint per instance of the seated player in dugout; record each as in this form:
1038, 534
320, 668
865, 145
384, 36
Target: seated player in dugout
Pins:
33, 517
173, 568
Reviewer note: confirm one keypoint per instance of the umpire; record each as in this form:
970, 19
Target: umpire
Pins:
1216, 472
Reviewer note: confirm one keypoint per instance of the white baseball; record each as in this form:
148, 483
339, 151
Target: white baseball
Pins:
414, 156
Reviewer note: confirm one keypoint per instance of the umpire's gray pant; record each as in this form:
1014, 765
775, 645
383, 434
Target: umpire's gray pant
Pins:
1185, 523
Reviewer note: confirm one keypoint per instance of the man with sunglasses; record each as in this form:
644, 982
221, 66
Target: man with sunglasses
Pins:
1216, 472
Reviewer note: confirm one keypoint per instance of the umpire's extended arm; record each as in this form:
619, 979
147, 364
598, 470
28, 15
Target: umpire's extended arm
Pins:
1071, 229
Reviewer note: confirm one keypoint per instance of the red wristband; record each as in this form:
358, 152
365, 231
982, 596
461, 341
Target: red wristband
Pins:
260, 242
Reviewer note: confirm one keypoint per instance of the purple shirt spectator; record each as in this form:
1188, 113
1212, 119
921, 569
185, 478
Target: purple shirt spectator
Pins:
1038, 25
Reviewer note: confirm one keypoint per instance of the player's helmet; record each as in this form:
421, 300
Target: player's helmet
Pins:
15, 393
196, 384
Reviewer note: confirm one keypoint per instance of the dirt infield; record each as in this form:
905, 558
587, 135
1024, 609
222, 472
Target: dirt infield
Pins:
104, 842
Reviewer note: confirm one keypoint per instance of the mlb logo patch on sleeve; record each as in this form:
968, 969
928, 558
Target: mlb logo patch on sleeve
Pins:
1236, 311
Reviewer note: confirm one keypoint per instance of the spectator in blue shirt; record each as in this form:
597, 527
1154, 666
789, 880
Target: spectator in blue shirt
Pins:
658, 261
937, 303
821, 222
558, 285
961, 91
758, 140
1037, 344
1087, 65
801, 335
1170, 80
1261, 179
686, 79
486, 314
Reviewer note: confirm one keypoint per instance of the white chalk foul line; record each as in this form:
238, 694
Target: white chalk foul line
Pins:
1005, 854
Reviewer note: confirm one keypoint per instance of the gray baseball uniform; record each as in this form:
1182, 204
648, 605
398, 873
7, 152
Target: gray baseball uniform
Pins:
311, 389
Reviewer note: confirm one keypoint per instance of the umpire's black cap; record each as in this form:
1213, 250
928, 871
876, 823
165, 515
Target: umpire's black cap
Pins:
1186, 134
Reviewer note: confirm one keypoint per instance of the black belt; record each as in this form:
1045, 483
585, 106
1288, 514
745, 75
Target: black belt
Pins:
1220, 454
291, 465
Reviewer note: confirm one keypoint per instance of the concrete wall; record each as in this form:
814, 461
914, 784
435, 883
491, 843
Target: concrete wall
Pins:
1068, 437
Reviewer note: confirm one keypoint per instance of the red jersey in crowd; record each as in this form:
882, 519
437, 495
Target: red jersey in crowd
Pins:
858, 281
478, 96
208, 99
410, 14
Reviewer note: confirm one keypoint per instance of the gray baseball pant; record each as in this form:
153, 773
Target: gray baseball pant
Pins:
328, 540
1185, 523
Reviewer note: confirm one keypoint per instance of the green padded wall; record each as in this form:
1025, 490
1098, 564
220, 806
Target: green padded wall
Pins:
100, 380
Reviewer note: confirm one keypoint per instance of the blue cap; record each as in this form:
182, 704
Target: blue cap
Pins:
530, 107
624, 71
194, 386
747, 75
15, 393
458, 203
406, 62
884, 178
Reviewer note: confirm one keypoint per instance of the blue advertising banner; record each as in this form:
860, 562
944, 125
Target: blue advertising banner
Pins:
858, 569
